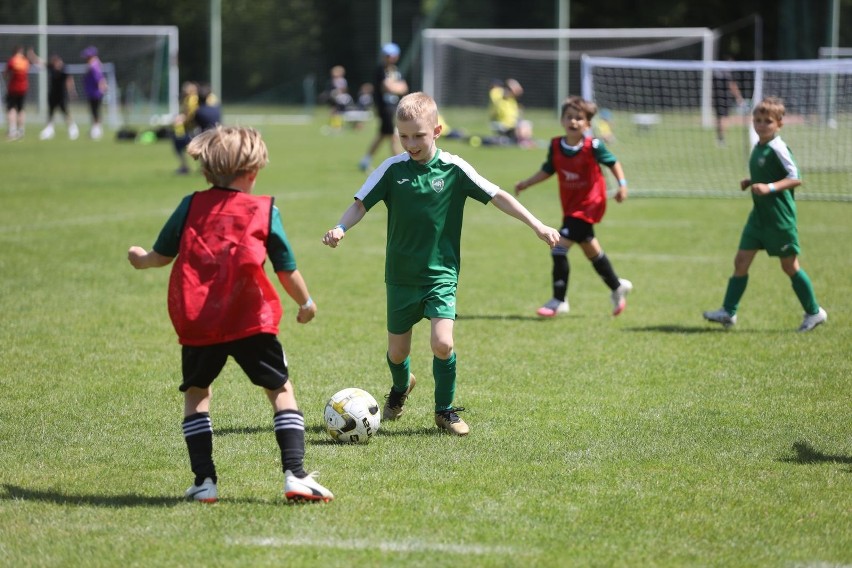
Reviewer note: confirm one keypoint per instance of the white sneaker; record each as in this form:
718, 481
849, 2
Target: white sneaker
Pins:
618, 296
364, 164
813, 320
721, 316
305, 489
552, 308
46, 133
205, 493
96, 133
73, 132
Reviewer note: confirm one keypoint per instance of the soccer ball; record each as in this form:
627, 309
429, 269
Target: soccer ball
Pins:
352, 416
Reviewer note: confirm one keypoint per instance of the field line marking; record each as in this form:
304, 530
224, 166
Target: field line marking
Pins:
385, 546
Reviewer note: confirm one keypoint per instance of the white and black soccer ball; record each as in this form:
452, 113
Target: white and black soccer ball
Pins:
352, 416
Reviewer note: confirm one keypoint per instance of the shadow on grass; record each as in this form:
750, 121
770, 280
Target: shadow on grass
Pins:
672, 328
807, 454
17, 493
384, 433
242, 430
500, 317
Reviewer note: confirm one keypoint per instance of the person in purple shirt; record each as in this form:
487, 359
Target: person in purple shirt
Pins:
95, 86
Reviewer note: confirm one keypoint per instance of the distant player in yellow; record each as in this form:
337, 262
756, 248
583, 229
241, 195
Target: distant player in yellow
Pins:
772, 223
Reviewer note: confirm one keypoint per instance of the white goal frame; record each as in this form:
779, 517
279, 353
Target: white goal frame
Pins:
92, 33
433, 38
816, 67
817, 93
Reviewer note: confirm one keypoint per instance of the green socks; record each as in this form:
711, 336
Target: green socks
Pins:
805, 292
400, 373
445, 381
734, 293
801, 285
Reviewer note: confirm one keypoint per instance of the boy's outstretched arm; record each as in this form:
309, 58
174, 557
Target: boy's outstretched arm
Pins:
140, 258
349, 219
537, 177
296, 288
511, 206
618, 172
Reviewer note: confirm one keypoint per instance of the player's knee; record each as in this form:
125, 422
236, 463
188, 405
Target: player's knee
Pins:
398, 356
442, 349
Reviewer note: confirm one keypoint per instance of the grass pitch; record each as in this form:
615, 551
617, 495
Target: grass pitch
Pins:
650, 439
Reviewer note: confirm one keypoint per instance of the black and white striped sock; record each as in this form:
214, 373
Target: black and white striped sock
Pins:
290, 434
198, 433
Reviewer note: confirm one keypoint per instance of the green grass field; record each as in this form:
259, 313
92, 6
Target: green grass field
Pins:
653, 439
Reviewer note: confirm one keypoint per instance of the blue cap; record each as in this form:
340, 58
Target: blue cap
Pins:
90, 51
390, 50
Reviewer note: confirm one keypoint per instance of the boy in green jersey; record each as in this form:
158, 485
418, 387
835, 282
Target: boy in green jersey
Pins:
771, 224
425, 190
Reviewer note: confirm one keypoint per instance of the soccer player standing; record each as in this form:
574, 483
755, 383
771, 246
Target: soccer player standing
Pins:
772, 223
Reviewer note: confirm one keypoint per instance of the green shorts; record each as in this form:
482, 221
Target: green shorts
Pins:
776, 241
407, 305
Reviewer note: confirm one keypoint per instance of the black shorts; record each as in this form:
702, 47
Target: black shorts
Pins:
386, 120
577, 230
15, 102
56, 103
95, 107
260, 356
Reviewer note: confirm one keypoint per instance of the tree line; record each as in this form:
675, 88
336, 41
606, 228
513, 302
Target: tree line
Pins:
270, 47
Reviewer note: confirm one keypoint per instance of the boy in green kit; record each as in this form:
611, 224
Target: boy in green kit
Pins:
772, 222
425, 190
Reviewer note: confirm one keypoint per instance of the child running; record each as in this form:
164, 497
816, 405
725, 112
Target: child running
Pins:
222, 303
772, 223
582, 190
425, 190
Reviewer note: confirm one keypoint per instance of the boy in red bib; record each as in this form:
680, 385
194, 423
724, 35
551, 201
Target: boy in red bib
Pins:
575, 157
222, 303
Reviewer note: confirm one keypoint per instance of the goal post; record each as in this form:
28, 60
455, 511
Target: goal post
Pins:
140, 65
459, 64
658, 110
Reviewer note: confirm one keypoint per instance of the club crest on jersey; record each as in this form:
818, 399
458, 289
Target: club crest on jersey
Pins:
437, 185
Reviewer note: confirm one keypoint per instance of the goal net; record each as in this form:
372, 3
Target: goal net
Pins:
663, 122
139, 62
460, 64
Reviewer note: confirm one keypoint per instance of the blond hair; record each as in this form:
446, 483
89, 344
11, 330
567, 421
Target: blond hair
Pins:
772, 106
588, 108
417, 105
227, 152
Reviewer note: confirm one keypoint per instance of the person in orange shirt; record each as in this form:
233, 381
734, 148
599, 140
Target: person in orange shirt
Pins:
17, 84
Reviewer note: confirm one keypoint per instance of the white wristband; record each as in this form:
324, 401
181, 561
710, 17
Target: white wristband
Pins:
771, 188
622, 182
307, 304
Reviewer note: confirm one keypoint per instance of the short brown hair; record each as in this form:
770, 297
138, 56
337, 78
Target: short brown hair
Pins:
416, 105
773, 106
588, 108
227, 152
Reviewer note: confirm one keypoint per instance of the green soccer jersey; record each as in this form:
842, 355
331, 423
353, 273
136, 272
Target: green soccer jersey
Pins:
770, 163
425, 205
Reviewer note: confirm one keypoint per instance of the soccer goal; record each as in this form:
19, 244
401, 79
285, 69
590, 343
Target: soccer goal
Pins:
140, 65
658, 114
459, 64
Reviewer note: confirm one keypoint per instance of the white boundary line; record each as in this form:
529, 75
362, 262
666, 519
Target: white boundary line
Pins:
384, 546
